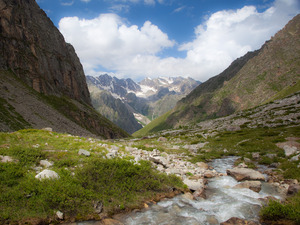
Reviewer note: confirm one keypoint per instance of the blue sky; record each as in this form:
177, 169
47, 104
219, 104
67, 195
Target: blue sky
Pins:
139, 38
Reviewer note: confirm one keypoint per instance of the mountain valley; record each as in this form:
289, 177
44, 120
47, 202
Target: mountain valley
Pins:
226, 151
132, 105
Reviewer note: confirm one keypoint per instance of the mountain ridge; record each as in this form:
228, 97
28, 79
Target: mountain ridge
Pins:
254, 79
135, 104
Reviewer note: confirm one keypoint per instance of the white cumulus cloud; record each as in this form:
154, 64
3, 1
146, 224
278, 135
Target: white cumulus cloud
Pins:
109, 42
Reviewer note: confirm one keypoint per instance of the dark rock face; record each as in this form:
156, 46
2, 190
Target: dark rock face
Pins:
33, 48
35, 56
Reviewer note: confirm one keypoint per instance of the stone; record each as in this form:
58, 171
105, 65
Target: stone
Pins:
290, 147
295, 158
46, 163
84, 152
289, 150
293, 189
195, 185
212, 220
98, 207
208, 174
48, 129
241, 174
110, 222
202, 165
113, 147
47, 174
252, 185
255, 155
60, 215
247, 160
238, 221
274, 165
111, 155
242, 165
7, 159
159, 160
162, 139
188, 196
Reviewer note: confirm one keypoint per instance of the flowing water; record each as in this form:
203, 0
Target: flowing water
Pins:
222, 202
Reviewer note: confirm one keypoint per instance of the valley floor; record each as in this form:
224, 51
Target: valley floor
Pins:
50, 177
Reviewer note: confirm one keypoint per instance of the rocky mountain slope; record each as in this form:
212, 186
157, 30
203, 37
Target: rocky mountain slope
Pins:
41, 77
258, 77
130, 102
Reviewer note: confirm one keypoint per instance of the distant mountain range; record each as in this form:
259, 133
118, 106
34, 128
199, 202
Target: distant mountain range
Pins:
132, 105
270, 73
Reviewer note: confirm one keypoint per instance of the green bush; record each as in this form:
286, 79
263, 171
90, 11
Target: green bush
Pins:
275, 211
27, 156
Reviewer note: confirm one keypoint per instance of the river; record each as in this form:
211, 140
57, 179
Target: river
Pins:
222, 202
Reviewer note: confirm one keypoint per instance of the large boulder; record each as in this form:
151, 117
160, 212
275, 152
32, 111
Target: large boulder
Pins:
241, 174
252, 185
196, 186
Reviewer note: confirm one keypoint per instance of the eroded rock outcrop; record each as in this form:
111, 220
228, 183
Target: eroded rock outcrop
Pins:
33, 53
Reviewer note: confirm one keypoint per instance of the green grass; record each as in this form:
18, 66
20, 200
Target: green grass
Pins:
118, 183
286, 92
10, 117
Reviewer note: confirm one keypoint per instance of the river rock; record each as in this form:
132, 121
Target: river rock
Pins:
209, 174
188, 196
293, 189
241, 174
110, 222
194, 185
47, 174
238, 221
202, 165
84, 152
252, 185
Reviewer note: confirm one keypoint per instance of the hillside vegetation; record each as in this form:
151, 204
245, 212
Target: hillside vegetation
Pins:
99, 178
258, 77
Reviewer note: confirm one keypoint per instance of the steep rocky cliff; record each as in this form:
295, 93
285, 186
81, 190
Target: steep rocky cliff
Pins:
41, 78
33, 48
267, 74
